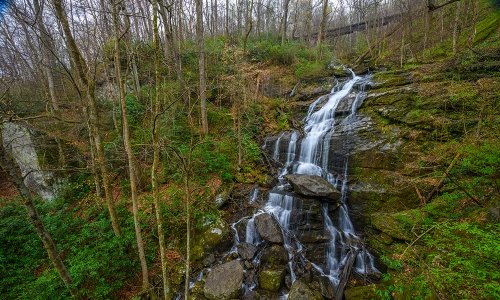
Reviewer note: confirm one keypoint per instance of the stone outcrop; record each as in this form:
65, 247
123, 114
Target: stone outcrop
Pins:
269, 228
246, 251
271, 279
224, 281
312, 186
301, 291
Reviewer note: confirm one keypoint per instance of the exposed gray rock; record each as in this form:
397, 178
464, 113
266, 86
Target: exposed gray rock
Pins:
224, 281
301, 291
312, 186
246, 251
274, 255
269, 228
222, 198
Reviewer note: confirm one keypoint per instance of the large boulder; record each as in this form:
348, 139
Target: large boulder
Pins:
271, 279
362, 292
224, 281
268, 228
312, 186
246, 250
301, 291
213, 234
274, 255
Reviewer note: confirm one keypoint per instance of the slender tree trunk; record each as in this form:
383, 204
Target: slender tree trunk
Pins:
284, 21
156, 155
187, 191
402, 54
128, 150
455, 28
322, 24
227, 20
85, 84
201, 66
13, 173
428, 24
249, 24
48, 52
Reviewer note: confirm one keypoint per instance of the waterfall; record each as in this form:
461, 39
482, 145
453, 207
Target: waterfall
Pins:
313, 158
311, 154
17, 139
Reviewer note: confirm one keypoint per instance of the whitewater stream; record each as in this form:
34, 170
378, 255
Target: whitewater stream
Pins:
317, 233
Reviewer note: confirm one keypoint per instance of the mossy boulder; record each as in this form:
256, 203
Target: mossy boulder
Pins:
362, 292
380, 242
301, 291
389, 225
274, 255
398, 225
271, 279
212, 235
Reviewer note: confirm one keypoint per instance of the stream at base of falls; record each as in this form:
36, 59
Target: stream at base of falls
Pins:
317, 237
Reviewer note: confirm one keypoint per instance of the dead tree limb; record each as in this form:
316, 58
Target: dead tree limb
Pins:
346, 272
440, 184
431, 6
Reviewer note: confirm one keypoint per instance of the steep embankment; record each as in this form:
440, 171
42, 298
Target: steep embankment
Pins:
428, 192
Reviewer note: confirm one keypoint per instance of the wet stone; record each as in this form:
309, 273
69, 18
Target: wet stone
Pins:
224, 281
274, 255
269, 228
271, 279
246, 251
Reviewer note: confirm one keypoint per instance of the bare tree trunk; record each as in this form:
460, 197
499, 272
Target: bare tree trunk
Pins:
201, 66
128, 150
428, 24
13, 173
156, 155
48, 53
402, 54
249, 24
216, 16
187, 191
227, 20
284, 21
322, 24
85, 84
455, 28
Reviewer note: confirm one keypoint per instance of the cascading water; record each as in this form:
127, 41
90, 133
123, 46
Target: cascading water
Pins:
313, 159
311, 154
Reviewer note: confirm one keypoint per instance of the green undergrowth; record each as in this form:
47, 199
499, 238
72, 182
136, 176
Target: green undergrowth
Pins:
452, 243
448, 247
99, 263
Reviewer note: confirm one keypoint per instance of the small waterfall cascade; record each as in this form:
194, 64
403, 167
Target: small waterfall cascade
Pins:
318, 234
311, 155
17, 139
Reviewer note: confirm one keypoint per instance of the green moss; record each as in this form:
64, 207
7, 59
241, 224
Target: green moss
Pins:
398, 225
487, 27
271, 279
362, 292
210, 236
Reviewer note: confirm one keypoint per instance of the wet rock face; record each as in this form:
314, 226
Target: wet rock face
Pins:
224, 281
246, 251
361, 292
301, 291
269, 228
212, 235
312, 186
274, 255
271, 279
